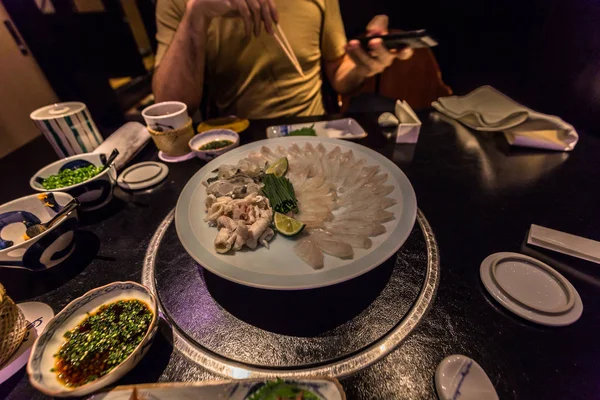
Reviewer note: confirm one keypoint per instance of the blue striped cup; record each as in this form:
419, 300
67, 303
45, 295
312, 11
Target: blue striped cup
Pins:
68, 127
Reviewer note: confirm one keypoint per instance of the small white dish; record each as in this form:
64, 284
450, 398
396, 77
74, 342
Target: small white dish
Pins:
37, 315
45, 250
459, 377
42, 359
345, 128
204, 138
143, 175
93, 193
531, 289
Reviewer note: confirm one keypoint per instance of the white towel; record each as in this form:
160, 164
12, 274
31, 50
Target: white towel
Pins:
486, 109
129, 139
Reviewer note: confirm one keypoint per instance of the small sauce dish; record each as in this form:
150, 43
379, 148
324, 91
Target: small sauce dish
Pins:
207, 137
42, 359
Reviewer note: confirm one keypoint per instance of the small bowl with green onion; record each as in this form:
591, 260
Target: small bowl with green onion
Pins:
83, 176
211, 144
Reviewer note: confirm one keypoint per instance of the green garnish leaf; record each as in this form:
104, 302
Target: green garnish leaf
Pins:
310, 131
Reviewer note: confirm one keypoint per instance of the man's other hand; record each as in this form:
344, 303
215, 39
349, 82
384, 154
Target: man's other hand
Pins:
254, 12
379, 57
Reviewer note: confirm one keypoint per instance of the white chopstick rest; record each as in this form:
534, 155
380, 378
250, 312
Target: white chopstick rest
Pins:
409, 125
565, 243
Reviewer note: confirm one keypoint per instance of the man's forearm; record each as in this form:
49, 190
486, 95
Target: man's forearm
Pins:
348, 76
180, 75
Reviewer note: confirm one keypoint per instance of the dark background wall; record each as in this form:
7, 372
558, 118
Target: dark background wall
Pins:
543, 53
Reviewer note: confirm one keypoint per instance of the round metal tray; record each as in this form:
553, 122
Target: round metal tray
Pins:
237, 331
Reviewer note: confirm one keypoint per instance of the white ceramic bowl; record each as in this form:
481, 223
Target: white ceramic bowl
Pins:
45, 250
215, 134
42, 359
93, 193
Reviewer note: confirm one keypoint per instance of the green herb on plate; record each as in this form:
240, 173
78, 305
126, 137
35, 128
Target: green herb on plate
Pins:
310, 131
69, 177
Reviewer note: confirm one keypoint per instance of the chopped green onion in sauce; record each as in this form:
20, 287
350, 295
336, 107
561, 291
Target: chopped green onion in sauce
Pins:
216, 144
70, 177
102, 341
281, 390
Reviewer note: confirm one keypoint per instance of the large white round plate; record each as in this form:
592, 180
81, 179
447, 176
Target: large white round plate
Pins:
527, 287
278, 267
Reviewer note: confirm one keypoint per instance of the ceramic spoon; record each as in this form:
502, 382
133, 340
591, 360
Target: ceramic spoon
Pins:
459, 377
37, 229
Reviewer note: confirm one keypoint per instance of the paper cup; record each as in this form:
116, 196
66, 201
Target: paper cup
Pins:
166, 116
68, 127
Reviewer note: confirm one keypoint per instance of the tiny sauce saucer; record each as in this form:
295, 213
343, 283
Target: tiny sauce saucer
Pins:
143, 175
175, 159
531, 289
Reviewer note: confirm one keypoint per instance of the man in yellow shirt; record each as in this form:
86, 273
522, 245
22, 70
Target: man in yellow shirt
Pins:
208, 43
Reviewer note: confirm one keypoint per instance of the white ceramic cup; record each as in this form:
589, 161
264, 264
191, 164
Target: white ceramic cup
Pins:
166, 116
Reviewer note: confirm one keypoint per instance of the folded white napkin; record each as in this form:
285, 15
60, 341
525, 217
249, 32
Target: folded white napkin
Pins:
129, 139
486, 109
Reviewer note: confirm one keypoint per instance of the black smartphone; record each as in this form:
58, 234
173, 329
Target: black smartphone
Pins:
415, 39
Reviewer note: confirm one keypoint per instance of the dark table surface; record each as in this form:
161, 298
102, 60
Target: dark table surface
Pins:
480, 197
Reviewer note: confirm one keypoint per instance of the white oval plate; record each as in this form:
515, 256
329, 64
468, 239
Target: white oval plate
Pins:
278, 267
522, 283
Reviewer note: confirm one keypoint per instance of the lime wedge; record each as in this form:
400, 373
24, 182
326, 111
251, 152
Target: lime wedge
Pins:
278, 168
287, 226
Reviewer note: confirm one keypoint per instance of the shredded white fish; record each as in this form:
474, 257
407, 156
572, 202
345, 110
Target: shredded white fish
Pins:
241, 222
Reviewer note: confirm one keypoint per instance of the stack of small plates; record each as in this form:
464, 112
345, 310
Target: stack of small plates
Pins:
531, 289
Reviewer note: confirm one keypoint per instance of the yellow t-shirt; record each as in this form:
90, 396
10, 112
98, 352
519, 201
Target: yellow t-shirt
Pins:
251, 77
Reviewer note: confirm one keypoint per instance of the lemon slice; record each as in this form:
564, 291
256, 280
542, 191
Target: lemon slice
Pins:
287, 226
278, 168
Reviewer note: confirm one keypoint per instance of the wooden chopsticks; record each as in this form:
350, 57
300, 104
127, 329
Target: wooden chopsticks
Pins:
287, 49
